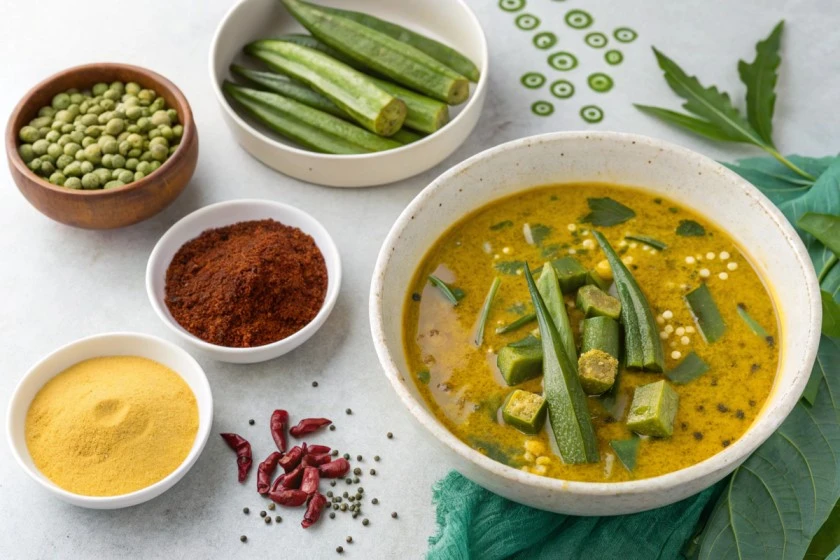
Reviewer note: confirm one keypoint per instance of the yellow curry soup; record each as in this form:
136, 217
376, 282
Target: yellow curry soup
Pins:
464, 388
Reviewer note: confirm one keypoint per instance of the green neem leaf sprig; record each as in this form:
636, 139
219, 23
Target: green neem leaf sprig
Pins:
712, 113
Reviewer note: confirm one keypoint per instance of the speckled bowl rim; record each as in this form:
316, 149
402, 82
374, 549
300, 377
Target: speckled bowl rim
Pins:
761, 429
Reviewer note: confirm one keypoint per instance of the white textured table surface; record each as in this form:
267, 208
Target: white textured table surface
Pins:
59, 283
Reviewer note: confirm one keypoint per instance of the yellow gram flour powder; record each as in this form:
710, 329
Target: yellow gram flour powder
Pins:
111, 425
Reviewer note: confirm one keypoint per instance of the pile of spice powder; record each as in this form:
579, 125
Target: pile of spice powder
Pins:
248, 284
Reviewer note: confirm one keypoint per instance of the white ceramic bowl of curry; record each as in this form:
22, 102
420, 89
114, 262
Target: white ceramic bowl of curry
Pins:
694, 181
111, 344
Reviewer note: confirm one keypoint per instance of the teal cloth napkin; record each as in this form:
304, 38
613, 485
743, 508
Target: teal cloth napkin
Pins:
474, 523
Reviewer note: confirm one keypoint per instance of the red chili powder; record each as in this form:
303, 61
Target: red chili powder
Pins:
248, 284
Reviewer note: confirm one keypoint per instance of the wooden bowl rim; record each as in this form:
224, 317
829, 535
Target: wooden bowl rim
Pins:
184, 112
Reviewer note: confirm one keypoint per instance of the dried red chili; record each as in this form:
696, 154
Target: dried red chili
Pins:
277, 425
291, 459
277, 484
309, 425
247, 284
265, 471
315, 460
310, 481
291, 498
243, 453
318, 449
313, 510
292, 479
334, 469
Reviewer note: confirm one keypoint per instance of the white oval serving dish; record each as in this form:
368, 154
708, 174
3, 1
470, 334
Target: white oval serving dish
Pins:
570, 157
224, 214
449, 21
111, 344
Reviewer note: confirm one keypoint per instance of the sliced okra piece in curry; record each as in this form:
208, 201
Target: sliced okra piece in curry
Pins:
600, 333
594, 302
521, 360
598, 362
653, 410
552, 295
597, 371
687, 370
567, 408
627, 450
642, 345
706, 313
570, 273
524, 411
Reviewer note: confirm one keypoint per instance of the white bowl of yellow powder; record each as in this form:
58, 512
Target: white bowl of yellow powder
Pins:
111, 420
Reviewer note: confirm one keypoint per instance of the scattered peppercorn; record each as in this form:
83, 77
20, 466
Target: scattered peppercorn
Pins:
726, 443
373, 472
343, 507
355, 514
347, 456
349, 539
263, 514
243, 538
271, 506
722, 408
334, 453
332, 482
335, 506
268, 520
246, 511
357, 471
251, 421
390, 435
278, 519
365, 522
329, 494
332, 427
351, 498
739, 414
348, 480
314, 383
355, 480
752, 402
332, 515
345, 494
394, 514
375, 501
415, 296
339, 549
698, 436
376, 458
349, 411
358, 457
360, 490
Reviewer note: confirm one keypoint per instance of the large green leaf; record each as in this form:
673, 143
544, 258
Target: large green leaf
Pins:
698, 126
825, 227
708, 103
828, 358
760, 77
777, 181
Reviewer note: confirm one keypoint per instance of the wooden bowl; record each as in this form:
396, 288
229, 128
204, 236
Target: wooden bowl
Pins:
112, 208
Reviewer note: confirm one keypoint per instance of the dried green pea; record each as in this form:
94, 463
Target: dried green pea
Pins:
178, 130
114, 126
103, 174
46, 111
90, 181
133, 113
134, 153
87, 141
99, 89
41, 122
132, 88
47, 168
40, 147
74, 169
113, 184
144, 167
111, 95
66, 128
52, 136
109, 146
125, 176
107, 161
61, 101
34, 164
29, 134
118, 161
57, 178
77, 136
54, 150
73, 183
76, 98
72, 147
63, 161
26, 153
131, 164
86, 166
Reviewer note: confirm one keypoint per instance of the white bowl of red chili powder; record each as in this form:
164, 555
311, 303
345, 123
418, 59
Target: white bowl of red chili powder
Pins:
244, 281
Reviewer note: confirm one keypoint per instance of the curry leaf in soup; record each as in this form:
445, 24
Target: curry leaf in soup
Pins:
792, 478
690, 228
831, 315
539, 233
626, 450
424, 376
451, 293
687, 370
606, 212
754, 326
760, 78
509, 267
825, 227
501, 225
649, 241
